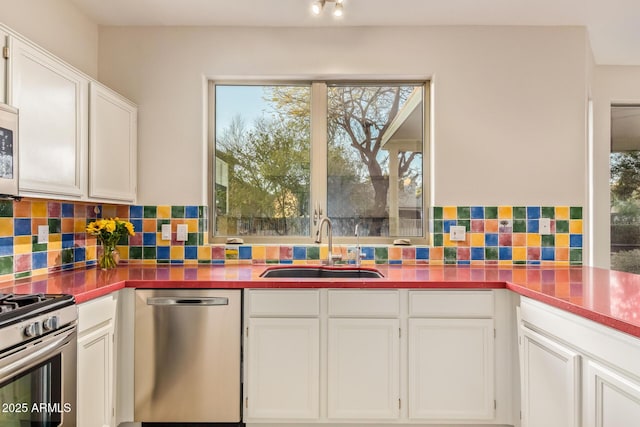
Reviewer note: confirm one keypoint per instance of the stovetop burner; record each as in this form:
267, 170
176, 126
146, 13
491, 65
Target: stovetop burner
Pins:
16, 307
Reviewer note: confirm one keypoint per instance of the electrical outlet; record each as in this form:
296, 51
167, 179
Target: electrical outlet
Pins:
166, 232
43, 233
544, 226
457, 233
181, 232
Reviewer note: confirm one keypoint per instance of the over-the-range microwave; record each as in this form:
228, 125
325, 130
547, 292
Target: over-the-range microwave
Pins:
8, 150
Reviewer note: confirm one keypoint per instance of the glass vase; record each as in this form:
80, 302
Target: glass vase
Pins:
109, 257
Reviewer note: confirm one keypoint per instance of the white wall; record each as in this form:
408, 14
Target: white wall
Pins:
509, 112
58, 26
612, 85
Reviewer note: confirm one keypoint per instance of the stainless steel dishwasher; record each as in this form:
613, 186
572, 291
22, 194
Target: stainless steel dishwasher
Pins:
187, 356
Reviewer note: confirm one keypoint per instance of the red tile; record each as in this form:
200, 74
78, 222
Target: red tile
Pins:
477, 225
504, 239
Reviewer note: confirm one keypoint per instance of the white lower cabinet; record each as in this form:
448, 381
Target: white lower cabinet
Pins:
451, 369
363, 369
95, 389
612, 398
284, 368
550, 383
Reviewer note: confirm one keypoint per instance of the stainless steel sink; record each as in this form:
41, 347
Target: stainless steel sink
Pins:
321, 272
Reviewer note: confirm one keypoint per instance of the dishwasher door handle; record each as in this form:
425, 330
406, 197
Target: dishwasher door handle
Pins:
188, 301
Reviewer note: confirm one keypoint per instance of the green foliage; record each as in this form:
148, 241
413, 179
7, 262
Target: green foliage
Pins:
628, 261
625, 175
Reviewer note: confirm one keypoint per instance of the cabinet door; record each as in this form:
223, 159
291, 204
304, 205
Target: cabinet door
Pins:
112, 146
613, 399
52, 100
363, 369
550, 383
95, 377
451, 369
283, 369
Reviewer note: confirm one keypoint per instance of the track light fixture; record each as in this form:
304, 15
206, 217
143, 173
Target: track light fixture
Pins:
318, 5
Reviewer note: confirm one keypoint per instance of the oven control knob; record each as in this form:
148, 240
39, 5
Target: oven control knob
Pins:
50, 323
32, 330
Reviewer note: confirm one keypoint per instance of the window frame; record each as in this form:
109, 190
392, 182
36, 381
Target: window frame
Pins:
318, 156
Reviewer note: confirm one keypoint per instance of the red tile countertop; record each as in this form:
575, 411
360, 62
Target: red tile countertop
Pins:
607, 297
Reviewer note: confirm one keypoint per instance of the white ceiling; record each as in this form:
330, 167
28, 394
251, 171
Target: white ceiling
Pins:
613, 25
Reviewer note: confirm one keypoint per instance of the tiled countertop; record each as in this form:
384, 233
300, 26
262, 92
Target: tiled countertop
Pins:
607, 297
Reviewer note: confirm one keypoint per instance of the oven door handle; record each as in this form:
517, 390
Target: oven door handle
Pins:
188, 301
31, 359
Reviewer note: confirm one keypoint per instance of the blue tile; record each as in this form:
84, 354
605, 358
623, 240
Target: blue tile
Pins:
477, 253
286, 261
548, 254
191, 212
368, 252
137, 224
67, 240
38, 260
67, 210
477, 212
79, 254
533, 212
422, 253
244, 252
191, 252
299, 252
22, 227
6, 246
533, 262
217, 261
163, 252
395, 261
448, 223
575, 240
149, 239
505, 253
464, 262
533, 225
177, 261
491, 239
135, 212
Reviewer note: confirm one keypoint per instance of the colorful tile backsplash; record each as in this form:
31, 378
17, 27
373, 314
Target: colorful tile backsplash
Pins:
494, 235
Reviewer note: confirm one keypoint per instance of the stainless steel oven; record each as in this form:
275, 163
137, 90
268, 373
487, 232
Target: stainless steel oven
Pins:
38, 361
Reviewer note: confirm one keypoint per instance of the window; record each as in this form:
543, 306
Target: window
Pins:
356, 151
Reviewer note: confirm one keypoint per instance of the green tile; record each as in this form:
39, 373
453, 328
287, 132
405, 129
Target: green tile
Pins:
202, 212
464, 212
23, 274
160, 223
519, 212
54, 225
150, 212
200, 239
208, 261
67, 256
491, 212
6, 264
575, 256
519, 262
192, 239
313, 252
437, 212
548, 212
491, 253
450, 254
177, 211
163, 261
6, 209
548, 240
562, 226
575, 212
148, 252
202, 225
37, 247
135, 252
123, 241
466, 223
438, 226
437, 239
381, 254
519, 226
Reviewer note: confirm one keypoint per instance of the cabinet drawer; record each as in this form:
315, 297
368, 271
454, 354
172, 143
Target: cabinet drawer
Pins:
268, 303
364, 303
97, 312
451, 303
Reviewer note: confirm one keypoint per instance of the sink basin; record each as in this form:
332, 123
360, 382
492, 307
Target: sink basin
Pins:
321, 272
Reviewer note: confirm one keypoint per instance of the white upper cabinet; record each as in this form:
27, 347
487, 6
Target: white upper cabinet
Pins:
52, 100
112, 145
3, 66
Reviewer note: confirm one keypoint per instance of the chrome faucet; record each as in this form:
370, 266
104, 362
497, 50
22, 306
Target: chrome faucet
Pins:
331, 257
